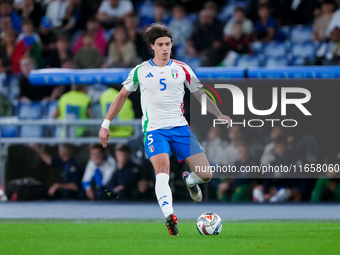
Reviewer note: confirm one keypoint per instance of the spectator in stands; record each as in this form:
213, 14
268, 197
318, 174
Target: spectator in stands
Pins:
48, 37
268, 152
192, 6
28, 92
328, 52
214, 146
93, 26
277, 187
28, 32
6, 10
31, 10
75, 104
239, 15
98, 173
131, 25
26, 46
126, 113
265, 28
236, 138
121, 51
238, 189
180, 27
302, 11
56, 11
335, 22
70, 180
212, 7
160, 15
206, 39
327, 188
75, 16
111, 12
88, 56
5, 25
238, 41
6, 51
61, 53
124, 180
321, 23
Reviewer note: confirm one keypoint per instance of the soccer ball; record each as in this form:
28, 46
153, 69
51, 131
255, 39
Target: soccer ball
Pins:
209, 224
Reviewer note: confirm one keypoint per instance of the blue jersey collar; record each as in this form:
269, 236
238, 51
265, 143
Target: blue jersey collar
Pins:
153, 63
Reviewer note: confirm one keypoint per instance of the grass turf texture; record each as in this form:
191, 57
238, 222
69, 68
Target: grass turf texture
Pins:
151, 237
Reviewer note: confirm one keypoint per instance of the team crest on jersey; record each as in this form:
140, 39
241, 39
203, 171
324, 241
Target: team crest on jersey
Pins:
151, 148
174, 73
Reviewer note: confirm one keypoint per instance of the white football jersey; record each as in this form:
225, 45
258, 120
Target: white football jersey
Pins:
162, 91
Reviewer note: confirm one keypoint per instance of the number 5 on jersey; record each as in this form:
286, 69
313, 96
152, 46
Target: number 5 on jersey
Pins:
161, 81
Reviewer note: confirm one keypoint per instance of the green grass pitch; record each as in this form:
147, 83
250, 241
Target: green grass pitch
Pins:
149, 237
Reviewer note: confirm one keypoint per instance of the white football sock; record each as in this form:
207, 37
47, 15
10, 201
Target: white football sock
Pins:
163, 194
193, 179
258, 195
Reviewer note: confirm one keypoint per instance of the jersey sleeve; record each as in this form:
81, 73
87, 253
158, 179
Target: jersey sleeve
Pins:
132, 82
191, 81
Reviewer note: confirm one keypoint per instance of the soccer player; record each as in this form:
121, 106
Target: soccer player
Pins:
161, 81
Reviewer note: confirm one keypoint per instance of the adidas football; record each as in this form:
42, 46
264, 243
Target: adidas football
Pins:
209, 224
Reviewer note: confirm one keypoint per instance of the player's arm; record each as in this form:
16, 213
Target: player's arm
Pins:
114, 109
211, 107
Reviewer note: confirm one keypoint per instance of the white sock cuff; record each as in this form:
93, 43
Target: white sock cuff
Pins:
162, 177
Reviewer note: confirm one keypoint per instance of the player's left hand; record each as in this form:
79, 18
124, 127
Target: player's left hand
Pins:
104, 135
225, 117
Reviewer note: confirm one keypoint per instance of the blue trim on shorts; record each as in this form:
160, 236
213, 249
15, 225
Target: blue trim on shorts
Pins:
179, 140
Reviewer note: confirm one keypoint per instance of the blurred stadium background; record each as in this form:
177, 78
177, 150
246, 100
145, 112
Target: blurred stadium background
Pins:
218, 39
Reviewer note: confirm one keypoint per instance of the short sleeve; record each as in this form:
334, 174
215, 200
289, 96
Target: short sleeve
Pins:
132, 82
191, 81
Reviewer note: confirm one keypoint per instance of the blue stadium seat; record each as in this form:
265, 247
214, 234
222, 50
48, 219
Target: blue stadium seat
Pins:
297, 61
146, 9
303, 49
257, 47
247, 61
50, 109
228, 11
285, 32
29, 111
275, 61
9, 130
274, 49
300, 34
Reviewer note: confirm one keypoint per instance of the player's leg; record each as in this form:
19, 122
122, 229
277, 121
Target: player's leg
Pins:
200, 168
187, 148
161, 165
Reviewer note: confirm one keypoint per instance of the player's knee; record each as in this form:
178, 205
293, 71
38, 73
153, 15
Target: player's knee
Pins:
162, 169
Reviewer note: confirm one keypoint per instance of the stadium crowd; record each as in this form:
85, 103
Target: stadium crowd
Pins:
85, 34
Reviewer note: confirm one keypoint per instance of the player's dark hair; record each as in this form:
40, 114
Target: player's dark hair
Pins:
155, 31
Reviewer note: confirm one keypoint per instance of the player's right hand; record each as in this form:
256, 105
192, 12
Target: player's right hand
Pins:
104, 135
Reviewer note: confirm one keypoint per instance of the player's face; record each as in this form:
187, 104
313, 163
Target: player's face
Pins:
162, 48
